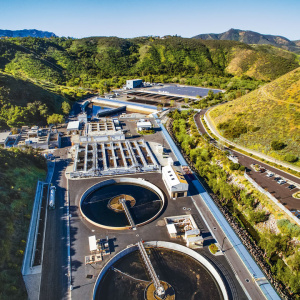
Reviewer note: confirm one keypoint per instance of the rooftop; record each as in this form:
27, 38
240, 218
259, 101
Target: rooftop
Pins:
3, 136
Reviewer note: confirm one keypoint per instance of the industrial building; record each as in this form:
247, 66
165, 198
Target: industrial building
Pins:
185, 227
143, 124
73, 127
4, 138
134, 83
106, 129
111, 158
175, 182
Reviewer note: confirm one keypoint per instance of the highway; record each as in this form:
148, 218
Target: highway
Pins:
281, 192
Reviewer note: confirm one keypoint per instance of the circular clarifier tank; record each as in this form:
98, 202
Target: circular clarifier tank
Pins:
103, 204
183, 277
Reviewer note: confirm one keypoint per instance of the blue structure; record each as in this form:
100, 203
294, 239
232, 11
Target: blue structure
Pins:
134, 83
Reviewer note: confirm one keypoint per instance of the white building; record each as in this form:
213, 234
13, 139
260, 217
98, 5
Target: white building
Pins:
143, 125
134, 83
175, 182
73, 127
4, 138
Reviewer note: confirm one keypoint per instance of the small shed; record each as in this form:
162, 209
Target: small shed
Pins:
172, 230
143, 125
93, 243
73, 126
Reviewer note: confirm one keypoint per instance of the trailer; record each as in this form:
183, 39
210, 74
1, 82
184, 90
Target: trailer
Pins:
52, 197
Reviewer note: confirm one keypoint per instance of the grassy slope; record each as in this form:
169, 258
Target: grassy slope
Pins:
21, 91
19, 172
274, 110
88, 60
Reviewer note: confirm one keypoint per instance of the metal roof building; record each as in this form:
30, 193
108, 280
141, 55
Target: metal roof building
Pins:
175, 182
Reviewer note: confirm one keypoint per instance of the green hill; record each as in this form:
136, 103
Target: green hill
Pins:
251, 37
85, 62
27, 102
19, 172
266, 120
38, 74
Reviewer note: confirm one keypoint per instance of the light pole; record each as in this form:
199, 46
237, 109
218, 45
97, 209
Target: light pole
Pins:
223, 243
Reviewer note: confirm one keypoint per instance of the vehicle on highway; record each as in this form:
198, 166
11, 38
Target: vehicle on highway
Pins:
52, 197
291, 186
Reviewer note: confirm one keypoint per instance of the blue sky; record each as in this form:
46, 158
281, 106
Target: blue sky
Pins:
130, 18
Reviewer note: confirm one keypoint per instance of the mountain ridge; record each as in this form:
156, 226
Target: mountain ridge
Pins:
26, 33
252, 37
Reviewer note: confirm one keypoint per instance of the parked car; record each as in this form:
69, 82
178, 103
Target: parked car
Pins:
270, 175
291, 186
281, 181
277, 178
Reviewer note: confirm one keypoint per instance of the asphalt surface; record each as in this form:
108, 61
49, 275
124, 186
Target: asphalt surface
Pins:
280, 192
54, 282
156, 230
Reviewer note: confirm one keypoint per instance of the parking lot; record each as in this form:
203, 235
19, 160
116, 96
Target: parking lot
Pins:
281, 187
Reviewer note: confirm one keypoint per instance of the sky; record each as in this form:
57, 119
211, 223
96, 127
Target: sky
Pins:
132, 18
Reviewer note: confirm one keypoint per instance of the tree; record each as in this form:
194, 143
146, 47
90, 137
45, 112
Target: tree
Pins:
66, 107
159, 107
186, 100
277, 145
55, 119
163, 101
172, 103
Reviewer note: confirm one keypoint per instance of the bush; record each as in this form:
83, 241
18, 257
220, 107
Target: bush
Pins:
289, 228
277, 145
257, 217
234, 166
213, 248
291, 158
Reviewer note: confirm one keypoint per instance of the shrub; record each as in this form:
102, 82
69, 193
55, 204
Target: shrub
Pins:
213, 248
289, 228
234, 166
291, 158
277, 145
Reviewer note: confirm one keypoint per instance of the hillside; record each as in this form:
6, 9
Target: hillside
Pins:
251, 37
86, 61
19, 172
266, 120
26, 102
26, 33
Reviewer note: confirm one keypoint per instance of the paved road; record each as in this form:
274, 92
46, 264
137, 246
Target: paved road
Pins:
55, 254
281, 192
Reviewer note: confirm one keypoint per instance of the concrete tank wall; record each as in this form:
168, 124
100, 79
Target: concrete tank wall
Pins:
168, 245
138, 181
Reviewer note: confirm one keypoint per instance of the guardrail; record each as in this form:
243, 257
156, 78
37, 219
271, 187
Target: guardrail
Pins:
276, 201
